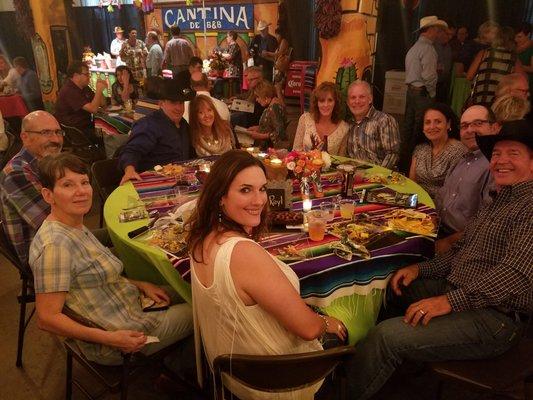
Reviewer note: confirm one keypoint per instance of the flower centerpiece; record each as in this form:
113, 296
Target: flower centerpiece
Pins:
306, 167
217, 64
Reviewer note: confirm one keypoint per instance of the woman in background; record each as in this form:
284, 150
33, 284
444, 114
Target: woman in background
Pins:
438, 150
322, 127
233, 55
125, 87
245, 301
210, 134
9, 77
524, 49
271, 131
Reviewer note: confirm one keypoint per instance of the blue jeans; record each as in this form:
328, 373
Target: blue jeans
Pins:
474, 334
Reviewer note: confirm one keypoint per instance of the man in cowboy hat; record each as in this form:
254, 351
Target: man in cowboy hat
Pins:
421, 79
470, 302
116, 45
264, 42
162, 136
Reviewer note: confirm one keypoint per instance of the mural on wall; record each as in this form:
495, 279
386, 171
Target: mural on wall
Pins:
353, 48
42, 64
219, 19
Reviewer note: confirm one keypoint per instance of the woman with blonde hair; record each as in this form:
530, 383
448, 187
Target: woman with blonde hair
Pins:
210, 134
490, 65
510, 108
322, 127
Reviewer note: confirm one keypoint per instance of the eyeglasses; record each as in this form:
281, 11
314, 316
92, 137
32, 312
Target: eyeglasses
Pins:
477, 123
49, 132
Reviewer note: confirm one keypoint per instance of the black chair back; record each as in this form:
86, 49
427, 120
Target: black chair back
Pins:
279, 373
106, 177
79, 144
8, 251
13, 148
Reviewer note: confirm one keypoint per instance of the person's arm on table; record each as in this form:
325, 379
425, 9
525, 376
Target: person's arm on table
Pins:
98, 98
142, 141
390, 140
412, 169
268, 287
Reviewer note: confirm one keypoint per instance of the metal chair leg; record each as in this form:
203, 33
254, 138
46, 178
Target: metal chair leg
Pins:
22, 322
68, 395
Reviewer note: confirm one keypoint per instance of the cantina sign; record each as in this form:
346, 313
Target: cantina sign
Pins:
224, 17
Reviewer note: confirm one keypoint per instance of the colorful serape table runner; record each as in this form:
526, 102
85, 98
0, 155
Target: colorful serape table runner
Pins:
349, 290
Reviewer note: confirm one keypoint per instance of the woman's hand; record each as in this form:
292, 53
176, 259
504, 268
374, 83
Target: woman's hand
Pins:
127, 341
154, 292
336, 327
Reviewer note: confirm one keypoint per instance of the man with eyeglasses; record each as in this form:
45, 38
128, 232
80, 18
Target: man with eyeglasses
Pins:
76, 102
468, 184
22, 207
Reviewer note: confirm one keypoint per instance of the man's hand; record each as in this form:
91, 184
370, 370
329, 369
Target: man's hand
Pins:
127, 341
129, 174
101, 85
424, 310
404, 277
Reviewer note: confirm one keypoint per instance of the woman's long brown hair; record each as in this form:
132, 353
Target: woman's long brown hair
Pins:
221, 129
205, 217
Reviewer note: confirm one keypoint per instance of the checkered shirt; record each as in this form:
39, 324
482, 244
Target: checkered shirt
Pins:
375, 139
491, 266
66, 259
23, 208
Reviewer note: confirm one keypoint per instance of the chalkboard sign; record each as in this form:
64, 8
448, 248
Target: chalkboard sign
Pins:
279, 195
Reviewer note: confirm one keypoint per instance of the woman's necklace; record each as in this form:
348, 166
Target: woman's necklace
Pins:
211, 141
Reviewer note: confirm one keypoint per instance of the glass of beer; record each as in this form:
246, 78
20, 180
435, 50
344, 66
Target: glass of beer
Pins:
317, 225
347, 207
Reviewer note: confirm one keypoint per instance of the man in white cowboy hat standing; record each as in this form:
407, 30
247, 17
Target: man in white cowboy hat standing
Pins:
116, 45
264, 42
472, 301
421, 79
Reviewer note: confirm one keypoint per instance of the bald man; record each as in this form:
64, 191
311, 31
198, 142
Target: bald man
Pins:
22, 206
467, 185
200, 84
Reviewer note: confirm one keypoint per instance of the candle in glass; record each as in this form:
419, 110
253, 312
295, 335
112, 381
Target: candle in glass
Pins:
307, 204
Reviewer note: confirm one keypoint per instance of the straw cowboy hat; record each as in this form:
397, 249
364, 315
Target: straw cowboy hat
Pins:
432, 20
262, 25
516, 131
118, 29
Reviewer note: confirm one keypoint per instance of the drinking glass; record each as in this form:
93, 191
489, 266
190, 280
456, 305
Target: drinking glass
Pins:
347, 207
329, 209
317, 225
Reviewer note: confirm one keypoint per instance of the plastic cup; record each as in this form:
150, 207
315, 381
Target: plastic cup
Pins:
316, 221
328, 208
347, 207
181, 194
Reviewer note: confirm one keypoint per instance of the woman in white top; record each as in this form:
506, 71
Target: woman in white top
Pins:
322, 127
9, 77
245, 301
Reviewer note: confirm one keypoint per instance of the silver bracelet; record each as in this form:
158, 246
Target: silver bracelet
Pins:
326, 322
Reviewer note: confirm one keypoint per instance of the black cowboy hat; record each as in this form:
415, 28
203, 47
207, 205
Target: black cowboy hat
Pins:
169, 89
518, 131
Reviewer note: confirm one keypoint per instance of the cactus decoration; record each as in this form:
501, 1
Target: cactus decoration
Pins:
346, 74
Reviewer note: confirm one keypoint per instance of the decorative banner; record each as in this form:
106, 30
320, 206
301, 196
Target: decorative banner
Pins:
239, 17
40, 53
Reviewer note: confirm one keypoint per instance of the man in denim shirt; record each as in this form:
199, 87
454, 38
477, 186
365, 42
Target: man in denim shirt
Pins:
161, 137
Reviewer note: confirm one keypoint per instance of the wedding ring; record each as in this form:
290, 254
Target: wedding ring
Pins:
422, 312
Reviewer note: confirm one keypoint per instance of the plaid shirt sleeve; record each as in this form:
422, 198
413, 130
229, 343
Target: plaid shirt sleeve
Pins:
23, 192
513, 276
51, 267
390, 140
440, 265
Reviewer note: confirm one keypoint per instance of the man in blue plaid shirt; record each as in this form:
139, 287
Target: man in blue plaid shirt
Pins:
23, 209
469, 302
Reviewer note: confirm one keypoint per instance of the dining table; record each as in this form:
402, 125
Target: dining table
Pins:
351, 290
13, 105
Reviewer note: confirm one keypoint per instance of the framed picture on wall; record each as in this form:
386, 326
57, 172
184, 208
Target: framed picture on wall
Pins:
61, 44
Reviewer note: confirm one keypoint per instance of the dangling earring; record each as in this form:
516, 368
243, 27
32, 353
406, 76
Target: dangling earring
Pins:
219, 217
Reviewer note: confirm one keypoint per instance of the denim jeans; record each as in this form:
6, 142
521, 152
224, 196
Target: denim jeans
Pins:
474, 334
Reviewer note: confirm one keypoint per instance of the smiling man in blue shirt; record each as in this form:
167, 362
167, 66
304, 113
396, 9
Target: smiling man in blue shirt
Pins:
161, 137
